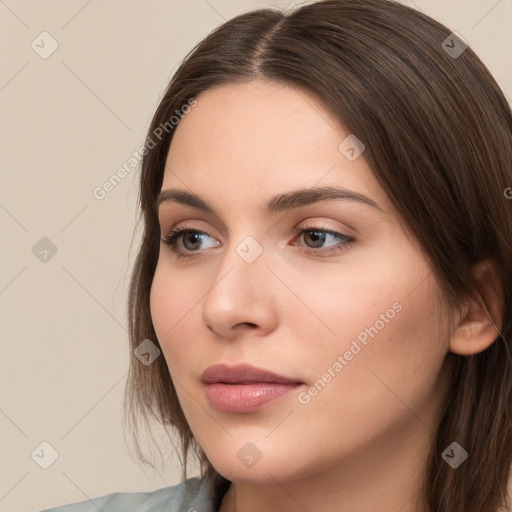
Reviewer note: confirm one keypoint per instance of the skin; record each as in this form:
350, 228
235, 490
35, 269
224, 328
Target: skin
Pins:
361, 442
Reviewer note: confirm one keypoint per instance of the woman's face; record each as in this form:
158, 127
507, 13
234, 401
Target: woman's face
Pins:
354, 317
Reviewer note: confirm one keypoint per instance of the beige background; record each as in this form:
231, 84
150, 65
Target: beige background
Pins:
68, 123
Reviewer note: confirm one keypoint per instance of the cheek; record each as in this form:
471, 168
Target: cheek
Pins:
159, 298
390, 378
394, 351
172, 314
381, 317
357, 304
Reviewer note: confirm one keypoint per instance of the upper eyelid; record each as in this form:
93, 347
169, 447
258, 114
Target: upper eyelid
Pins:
321, 218
161, 218
319, 225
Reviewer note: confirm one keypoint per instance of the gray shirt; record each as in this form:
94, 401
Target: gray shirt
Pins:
188, 496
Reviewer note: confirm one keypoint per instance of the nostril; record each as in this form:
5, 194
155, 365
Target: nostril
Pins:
243, 324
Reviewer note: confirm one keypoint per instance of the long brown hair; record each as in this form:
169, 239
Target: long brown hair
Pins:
438, 136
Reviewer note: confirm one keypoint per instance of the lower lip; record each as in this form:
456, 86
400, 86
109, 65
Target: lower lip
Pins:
246, 397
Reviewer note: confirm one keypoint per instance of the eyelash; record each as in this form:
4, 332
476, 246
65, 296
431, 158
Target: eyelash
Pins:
346, 241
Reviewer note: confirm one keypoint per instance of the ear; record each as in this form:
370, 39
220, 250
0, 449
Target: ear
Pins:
480, 322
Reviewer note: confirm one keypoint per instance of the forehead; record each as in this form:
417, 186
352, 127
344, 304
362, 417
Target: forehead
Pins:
260, 136
254, 116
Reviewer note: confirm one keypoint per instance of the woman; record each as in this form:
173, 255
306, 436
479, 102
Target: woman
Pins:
321, 305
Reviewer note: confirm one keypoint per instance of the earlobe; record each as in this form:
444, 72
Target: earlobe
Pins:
480, 324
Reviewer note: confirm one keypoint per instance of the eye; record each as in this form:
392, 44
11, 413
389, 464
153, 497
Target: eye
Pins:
190, 243
315, 238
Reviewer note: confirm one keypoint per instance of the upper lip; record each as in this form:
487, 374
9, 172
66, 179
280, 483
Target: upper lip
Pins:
242, 373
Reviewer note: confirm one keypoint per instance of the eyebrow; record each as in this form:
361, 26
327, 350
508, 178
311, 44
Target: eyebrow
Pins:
280, 202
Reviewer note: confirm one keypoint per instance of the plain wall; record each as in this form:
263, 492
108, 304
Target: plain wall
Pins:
68, 122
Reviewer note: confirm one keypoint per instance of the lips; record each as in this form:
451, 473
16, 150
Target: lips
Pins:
244, 388
243, 374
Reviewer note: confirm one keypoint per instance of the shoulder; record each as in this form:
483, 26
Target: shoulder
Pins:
185, 497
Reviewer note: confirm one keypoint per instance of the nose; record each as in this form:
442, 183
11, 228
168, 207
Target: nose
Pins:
241, 300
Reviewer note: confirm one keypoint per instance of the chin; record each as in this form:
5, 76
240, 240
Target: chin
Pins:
264, 471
